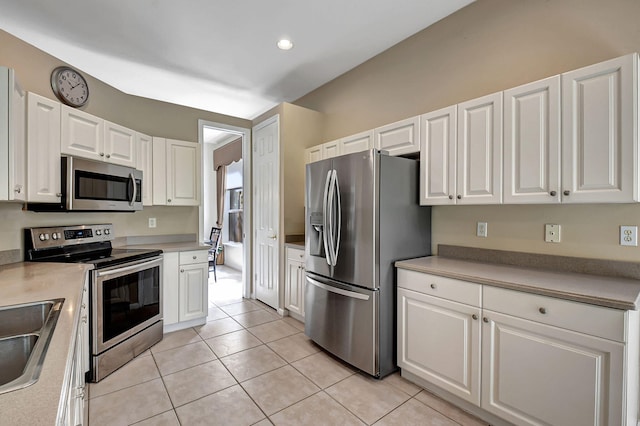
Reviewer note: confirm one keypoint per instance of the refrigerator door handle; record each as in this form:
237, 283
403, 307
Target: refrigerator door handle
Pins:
338, 211
325, 225
337, 290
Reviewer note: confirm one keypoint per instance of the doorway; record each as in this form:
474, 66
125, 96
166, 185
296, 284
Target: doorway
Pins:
235, 217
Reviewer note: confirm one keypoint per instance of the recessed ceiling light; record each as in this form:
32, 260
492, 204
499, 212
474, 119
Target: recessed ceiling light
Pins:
285, 44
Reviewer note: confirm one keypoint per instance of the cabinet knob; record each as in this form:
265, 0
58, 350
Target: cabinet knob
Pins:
459, 197
433, 286
195, 257
84, 306
168, 200
18, 189
485, 319
108, 155
451, 197
552, 193
542, 310
566, 193
58, 194
474, 316
181, 270
102, 154
84, 319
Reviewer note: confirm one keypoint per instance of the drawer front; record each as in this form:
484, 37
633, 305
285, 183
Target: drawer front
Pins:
295, 254
581, 317
446, 288
194, 256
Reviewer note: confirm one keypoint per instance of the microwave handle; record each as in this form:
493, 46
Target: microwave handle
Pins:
135, 189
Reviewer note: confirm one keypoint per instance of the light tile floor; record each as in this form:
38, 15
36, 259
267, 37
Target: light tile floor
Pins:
247, 366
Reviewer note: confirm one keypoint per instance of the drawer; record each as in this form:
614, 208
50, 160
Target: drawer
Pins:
194, 256
295, 254
446, 288
594, 320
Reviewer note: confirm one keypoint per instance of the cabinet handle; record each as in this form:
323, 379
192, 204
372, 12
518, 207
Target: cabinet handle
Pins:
84, 319
552, 193
485, 319
451, 197
102, 154
181, 270
433, 286
542, 310
566, 193
474, 316
459, 197
18, 189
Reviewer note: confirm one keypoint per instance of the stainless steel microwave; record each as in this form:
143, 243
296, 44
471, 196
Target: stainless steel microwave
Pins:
89, 185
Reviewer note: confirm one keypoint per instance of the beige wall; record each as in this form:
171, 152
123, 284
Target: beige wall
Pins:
486, 47
33, 69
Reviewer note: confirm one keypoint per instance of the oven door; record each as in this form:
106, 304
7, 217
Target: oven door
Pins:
125, 300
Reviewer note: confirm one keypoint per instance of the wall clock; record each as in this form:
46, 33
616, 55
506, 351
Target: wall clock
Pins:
69, 86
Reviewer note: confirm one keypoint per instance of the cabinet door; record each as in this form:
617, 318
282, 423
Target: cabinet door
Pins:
82, 134
293, 297
535, 374
356, 143
399, 138
193, 291
331, 149
183, 173
159, 171
43, 149
599, 136
439, 341
144, 162
532, 143
480, 151
119, 144
170, 288
12, 138
438, 157
313, 154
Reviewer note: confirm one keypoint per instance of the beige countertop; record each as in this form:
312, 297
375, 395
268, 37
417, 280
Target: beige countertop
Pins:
619, 293
30, 282
296, 245
170, 247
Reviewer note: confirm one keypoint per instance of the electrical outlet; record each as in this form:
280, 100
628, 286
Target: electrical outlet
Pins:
628, 235
481, 230
552, 233
152, 222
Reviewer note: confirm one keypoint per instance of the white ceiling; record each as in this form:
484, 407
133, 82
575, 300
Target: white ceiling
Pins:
218, 55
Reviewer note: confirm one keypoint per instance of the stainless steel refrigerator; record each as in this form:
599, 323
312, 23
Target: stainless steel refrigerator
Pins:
362, 214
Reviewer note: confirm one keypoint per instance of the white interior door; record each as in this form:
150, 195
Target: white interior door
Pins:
266, 210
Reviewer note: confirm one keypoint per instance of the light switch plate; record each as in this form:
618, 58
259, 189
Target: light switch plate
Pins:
552, 233
628, 235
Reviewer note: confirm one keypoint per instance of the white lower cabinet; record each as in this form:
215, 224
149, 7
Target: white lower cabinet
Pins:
185, 289
523, 358
294, 283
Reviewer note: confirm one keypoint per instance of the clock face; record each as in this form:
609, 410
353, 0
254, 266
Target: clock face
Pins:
70, 86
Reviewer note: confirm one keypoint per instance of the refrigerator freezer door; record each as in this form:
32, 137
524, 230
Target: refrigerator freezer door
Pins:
343, 320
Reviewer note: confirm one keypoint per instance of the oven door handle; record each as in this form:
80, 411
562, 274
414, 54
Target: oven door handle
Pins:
135, 189
126, 268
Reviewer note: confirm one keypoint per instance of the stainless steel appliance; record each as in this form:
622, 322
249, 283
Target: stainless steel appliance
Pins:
125, 287
89, 185
362, 214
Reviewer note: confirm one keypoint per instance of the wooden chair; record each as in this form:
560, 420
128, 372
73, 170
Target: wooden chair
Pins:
214, 240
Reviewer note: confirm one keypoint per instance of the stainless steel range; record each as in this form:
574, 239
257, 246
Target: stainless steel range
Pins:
125, 288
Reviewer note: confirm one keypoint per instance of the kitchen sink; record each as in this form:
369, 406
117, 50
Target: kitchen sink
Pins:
25, 333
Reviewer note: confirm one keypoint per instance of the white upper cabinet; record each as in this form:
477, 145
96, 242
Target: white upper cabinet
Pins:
119, 144
144, 162
43, 149
331, 149
356, 143
399, 138
82, 134
599, 132
532, 143
438, 157
313, 154
183, 173
13, 175
479, 179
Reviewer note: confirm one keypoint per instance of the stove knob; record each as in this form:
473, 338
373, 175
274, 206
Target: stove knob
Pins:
98, 232
42, 237
107, 231
54, 236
